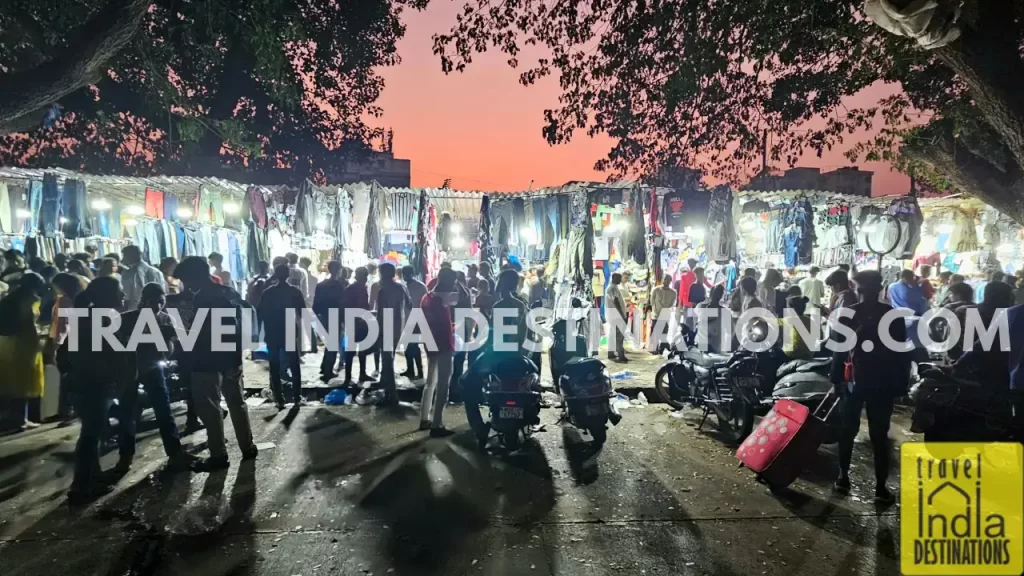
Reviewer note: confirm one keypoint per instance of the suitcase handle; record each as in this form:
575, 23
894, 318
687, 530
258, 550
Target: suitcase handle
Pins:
832, 395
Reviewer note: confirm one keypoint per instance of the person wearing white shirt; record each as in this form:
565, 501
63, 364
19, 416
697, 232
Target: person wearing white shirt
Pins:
298, 277
136, 275
615, 301
812, 288
663, 298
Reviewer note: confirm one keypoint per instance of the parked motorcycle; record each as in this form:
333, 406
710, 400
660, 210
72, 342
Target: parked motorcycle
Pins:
806, 382
950, 406
512, 394
711, 382
586, 392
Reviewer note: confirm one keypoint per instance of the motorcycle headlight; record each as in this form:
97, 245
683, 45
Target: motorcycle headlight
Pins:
758, 332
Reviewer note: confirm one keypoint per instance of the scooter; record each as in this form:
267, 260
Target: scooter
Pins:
512, 394
951, 406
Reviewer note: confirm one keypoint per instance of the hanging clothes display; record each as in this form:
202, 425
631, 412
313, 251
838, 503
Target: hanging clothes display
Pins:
305, 213
504, 232
5, 209
35, 205
154, 203
171, 207
76, 223
484, 234
418, 261
372, 239
444, 233
52, 199
634, 239
720, 233
908, 212
256, 206
343, 221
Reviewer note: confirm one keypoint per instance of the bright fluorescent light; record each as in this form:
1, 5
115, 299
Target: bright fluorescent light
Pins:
22, 213
456, 227
695, 233
946, 229
386, 224
184, 213
529, 236
100, 205
135, 210
321, 223
131, 222
63, 220
232, 208
458, 242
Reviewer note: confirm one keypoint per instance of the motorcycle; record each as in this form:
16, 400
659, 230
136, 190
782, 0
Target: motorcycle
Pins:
721, 383
806, 382
512, 394
951, 406
582, 382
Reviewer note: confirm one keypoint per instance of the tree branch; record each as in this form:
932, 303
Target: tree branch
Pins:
27, 92
970, 173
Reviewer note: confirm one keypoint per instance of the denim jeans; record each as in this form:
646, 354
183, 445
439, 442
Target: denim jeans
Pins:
277, 355
879, 408
91, 404
49, 216
155, 386
35, 205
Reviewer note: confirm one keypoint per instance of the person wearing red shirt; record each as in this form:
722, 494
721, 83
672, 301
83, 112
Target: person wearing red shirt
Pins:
926, 284
436, 306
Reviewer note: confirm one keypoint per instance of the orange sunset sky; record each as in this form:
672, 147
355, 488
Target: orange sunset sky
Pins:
482, 129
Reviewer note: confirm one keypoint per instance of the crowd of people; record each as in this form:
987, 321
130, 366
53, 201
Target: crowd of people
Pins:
94, 378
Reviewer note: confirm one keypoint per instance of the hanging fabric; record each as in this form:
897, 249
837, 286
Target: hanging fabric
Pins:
372, 239
720, 234
419, 253
444, 232
50, 210
76, 224
305, 214
484, 234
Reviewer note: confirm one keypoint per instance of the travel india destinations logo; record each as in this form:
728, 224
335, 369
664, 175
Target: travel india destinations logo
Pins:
962, 508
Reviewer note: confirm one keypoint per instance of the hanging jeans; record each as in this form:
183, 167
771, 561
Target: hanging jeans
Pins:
5, 209
76, 217
503, 224
35, 205
49, 217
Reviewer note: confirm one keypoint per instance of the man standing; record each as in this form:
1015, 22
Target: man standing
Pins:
136, 276
812, 288
357, 297
311, 283
417, 290
698, 290
538, 288
663, 298
392, 300
437, 310
280, 306
878, 376
907, 293
216, 260
615, 302
297, 276
216, 367
150, 373
330, 295
258, 284
945, 277
842, 295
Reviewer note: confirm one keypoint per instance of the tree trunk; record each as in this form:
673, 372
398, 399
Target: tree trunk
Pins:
972, 174
28, 92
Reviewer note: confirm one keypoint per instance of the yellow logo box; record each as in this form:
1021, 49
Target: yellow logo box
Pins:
962, 506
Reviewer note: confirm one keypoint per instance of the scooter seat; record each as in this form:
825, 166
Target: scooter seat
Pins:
813, 365
705, 359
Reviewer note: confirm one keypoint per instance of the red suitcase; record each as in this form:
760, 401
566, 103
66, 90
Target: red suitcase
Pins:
787, 437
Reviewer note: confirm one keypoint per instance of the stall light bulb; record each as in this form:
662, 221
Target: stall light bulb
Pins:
321, 223
611, 228
458, 242
748, 225
1008, 247
946, 229
131, 222
135, 210
232, 208
529, 236
184, 213
22, 213
456, 227
624, 225
63, 220
100, 205
386, 223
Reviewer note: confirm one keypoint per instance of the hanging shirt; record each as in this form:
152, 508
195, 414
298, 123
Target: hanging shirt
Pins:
812, 289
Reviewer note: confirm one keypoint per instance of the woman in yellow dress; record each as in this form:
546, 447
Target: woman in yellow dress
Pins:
21, 351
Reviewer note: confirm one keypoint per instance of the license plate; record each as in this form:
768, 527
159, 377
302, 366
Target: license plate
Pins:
748, 382
511, 412
597, 409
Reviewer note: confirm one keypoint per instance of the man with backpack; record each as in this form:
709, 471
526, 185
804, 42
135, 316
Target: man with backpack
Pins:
258, 284
869, 377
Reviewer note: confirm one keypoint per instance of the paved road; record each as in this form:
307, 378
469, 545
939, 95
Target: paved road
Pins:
357, 490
